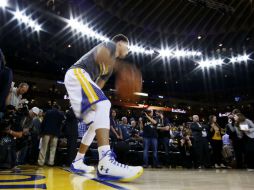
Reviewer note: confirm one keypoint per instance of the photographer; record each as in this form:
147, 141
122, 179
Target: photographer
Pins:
245, 130
150, 136
163, 133
185, 146
237, 142
15, 96
10, 130
29, 130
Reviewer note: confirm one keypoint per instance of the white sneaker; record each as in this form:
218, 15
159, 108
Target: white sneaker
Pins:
110, 169
216, 166
223, 166
79, 167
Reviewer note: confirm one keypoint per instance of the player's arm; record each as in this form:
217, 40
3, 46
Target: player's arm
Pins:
103, 57
101, 83
153, 121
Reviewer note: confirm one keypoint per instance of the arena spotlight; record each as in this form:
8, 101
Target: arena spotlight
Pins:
185, 53
3, 3
21, 17
210, 63
138, 49
178, 53
86, 30
239, 58
165, 52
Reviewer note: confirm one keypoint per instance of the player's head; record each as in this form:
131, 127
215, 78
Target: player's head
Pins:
122, 44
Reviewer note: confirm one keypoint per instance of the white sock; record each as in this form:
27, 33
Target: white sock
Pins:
79, 156
102, 150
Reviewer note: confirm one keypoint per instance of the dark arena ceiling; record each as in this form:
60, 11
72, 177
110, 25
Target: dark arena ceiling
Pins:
218, 29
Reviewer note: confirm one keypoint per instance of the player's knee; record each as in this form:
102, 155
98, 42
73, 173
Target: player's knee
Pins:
89, 117
102, 115
104, 105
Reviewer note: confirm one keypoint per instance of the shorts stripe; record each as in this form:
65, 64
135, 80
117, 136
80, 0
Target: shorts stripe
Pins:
88, 90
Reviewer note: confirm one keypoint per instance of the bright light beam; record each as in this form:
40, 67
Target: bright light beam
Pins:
178, 53
210, 63
27, 21
138, 49
239, 58
3, 3
85, 29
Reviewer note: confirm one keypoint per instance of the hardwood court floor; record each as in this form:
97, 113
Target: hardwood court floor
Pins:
33, 177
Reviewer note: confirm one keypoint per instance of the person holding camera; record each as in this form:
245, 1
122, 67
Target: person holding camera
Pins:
150, 136
237, 142
24, 144
186, 150
163, 126
245, 130
15, 96
10, 130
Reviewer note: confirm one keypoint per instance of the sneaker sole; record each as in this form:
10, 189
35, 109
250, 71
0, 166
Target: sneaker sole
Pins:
134, 177
72, 169
115, 178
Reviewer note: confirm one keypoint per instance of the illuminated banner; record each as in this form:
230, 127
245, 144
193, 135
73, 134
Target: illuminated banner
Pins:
224, 114
178, 110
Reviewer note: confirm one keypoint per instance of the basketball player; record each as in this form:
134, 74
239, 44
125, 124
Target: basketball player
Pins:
84, 81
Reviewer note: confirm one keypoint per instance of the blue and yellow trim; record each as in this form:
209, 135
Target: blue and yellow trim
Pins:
90, 93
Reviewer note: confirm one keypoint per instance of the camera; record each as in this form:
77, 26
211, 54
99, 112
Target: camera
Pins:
144, 112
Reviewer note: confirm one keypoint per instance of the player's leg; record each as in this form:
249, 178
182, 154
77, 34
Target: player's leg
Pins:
108, 167
74, 90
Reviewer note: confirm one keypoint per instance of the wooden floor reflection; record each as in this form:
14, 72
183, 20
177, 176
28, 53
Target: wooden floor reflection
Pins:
33, 177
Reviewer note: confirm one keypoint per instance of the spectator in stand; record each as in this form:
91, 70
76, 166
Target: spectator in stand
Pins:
200, 143
51, 128
140, 124
150, 137
163, 134
216, 141
237, 141
245, 130
115, 130
227, 150
134, 131
10, 131
15, 96
125, 128
28, 128
186, 150
35, 139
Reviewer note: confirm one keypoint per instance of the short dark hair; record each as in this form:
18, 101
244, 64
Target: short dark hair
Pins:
236, 111
120, 37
